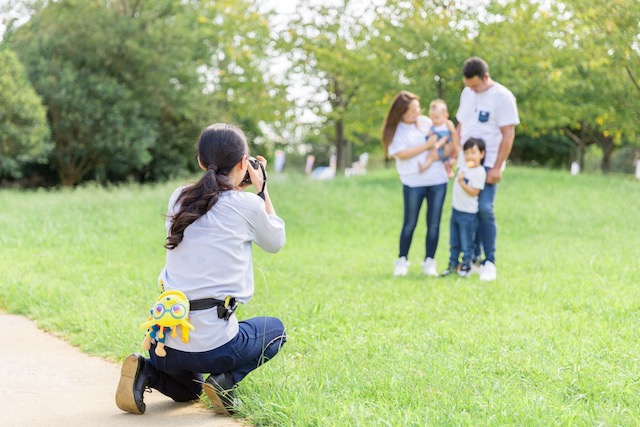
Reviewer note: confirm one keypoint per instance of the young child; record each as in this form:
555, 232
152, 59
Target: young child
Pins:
445, 132
470, 180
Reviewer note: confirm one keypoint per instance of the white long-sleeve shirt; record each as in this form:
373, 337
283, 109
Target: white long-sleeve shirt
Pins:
214, 260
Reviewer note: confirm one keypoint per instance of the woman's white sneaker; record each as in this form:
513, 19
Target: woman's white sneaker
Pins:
488, 272
402, 266
429, 267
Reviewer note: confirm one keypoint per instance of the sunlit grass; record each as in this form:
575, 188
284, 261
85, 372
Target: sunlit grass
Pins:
554, 341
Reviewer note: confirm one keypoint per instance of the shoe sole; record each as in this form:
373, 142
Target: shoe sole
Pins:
124, 394
218, 405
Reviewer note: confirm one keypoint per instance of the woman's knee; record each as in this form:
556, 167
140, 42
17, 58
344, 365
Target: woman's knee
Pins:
277, 337
408, 227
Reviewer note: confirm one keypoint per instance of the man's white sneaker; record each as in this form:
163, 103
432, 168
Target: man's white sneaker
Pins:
429, 267
402, 266
488, 272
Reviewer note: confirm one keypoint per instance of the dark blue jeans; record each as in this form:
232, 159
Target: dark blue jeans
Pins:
487, 229
463, 227
413, 197
179, 374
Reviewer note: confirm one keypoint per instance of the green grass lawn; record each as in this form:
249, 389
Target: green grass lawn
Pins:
554, 341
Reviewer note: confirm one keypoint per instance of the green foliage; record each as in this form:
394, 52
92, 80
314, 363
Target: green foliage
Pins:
24, 135
129, 85
554, 341
153, 73
547, 150
330, 48
565, 66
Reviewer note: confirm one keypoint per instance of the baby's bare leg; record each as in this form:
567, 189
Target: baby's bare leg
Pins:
448, 147
432, 157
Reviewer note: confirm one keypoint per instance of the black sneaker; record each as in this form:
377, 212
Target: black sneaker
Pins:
464, 270
450, 270
219, 388
133, 382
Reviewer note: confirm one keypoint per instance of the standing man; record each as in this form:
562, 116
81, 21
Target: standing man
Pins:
488, 111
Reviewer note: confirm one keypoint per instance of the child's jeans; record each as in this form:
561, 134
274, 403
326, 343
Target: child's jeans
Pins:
462, 237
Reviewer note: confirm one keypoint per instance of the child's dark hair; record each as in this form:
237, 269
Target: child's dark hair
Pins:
220, 148
475, 142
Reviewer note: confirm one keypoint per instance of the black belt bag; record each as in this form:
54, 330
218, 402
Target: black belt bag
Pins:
226, 307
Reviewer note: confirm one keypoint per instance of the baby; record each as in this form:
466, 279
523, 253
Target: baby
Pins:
445, 132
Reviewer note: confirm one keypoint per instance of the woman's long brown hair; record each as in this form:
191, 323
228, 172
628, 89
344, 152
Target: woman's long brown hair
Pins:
399, 106
220, 148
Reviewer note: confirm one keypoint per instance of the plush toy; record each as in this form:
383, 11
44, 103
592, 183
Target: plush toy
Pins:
171, 310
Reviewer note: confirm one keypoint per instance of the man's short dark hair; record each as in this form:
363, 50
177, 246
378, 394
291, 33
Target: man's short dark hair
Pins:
475, 67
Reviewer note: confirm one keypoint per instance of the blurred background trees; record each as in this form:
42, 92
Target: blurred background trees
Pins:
118, 90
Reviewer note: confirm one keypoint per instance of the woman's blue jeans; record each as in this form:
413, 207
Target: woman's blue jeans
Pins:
179, 374
462, 237
413, 197
487, 229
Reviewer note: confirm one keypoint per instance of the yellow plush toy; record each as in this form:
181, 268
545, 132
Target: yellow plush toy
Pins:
170, 311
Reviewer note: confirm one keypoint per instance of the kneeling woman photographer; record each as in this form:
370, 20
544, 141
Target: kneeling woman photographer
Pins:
211, 226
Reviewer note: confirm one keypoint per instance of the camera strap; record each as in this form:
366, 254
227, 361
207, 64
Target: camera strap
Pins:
264, 182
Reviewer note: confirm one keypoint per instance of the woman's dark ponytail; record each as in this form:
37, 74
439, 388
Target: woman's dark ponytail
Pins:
220, 148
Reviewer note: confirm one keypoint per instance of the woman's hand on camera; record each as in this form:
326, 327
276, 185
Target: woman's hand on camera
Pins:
257, 178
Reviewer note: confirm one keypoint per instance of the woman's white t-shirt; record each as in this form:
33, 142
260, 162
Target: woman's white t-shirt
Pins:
407, 136
214, 260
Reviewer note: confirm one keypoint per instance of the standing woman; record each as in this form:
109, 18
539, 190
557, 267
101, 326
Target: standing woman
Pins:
405, 140
211, 226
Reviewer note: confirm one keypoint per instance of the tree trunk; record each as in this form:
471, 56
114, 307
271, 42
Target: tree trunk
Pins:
582, 148
580, 145
606, 144
339, 144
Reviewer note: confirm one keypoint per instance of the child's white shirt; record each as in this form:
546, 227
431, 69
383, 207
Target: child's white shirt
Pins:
463, 201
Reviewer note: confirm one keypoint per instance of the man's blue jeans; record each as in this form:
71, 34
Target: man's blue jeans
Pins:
179, 374
413, 197
462, 237
487, 229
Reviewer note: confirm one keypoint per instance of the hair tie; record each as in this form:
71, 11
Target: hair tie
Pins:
213, 168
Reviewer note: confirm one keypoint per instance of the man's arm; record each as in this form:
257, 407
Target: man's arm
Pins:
508, 135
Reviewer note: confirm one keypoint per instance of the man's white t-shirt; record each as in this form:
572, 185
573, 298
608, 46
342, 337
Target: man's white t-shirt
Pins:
407, 136
481, 115
214, 260
476, 178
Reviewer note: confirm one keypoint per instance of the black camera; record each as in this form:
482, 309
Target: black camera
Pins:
256, 165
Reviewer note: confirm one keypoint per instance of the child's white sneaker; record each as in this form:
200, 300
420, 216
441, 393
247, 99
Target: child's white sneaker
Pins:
402, 266
488, 272
429, 267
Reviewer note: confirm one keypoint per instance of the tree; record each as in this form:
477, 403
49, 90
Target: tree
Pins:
129, 84
97, 116
607, 35
565, 67
24, 135
329, 50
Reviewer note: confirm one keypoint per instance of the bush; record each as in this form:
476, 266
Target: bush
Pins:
549, 150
